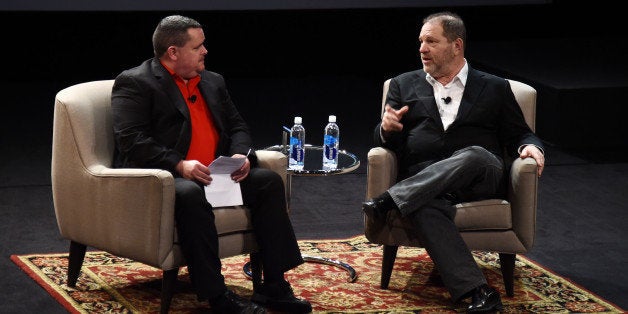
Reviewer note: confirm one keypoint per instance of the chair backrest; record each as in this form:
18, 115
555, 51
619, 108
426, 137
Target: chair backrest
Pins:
526, 97
82, 128
524, 94
82, 144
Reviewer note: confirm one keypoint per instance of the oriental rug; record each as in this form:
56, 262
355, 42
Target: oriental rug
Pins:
110, 284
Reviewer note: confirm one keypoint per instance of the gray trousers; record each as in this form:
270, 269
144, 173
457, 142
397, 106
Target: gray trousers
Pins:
472, 173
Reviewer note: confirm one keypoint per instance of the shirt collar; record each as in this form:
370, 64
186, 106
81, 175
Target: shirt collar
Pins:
191, 82
461, 76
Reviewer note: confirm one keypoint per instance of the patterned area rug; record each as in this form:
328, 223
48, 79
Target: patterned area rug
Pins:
110, 284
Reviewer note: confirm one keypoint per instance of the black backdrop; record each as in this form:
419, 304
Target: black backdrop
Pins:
278, 63
80, 45
153, 5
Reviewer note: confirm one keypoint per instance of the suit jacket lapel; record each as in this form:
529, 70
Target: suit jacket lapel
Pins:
206, 88
171, 89
472, 90
425, 94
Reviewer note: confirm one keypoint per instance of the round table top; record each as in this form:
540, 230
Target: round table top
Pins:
313, 165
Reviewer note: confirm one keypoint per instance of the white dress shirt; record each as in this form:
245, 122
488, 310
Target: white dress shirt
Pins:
448, 96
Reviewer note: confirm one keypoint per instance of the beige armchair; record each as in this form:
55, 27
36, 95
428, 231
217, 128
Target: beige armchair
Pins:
127, 212
503, 226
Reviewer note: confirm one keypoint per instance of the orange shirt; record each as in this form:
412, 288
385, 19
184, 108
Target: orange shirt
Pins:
204, 135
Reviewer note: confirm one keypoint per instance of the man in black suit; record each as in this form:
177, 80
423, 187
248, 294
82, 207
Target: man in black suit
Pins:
449, 125
173, 114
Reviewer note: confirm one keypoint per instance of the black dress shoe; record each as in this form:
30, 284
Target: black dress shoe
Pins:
485, 299
230, 303
378, 207
280, 297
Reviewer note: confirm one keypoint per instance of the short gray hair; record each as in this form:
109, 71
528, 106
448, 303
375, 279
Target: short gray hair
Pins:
453, 26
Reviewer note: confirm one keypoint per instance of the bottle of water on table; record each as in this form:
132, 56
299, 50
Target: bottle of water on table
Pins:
331, 144
297, 145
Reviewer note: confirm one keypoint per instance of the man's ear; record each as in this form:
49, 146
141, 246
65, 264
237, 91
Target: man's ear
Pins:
458, 45
172, 52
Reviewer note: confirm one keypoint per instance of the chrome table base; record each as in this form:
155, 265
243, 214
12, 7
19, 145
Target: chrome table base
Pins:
316, 259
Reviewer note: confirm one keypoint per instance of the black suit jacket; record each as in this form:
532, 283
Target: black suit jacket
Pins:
151, 120
489, 116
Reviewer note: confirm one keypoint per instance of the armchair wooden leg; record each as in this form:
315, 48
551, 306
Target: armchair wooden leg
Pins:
168, 284
507, 264
388, 261
256, 270
77, 254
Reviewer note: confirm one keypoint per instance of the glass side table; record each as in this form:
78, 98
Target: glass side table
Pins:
313, 166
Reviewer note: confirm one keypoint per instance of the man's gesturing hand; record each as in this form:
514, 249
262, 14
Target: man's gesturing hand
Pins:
391, 118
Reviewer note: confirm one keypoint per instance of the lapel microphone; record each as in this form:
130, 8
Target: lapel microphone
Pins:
446, 100
193, 98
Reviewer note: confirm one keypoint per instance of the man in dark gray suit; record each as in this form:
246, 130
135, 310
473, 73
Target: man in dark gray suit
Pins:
449, 125
171, 113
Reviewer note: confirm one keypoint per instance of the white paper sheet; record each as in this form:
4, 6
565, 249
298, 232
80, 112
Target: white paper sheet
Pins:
223, 191
226, 165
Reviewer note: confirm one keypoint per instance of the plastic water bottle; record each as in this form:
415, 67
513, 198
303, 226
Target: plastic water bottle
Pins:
331, 143
297, 145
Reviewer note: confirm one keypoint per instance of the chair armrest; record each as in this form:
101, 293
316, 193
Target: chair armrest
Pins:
522, 195
273, 160
381, 171
128, 212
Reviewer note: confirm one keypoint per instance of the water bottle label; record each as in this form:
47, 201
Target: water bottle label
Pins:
296, 151
330, 152
330, 140
330, 147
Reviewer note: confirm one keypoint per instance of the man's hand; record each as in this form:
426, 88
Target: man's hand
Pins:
391, 118
243, 172
194, 170
534, 152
